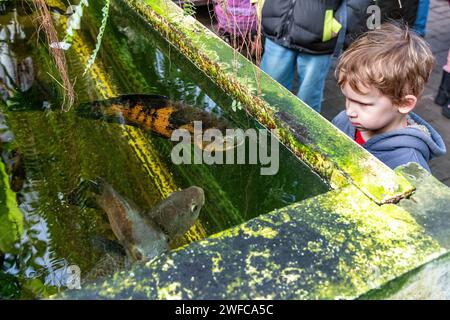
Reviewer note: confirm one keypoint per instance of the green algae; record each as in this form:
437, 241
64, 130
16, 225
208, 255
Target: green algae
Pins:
335, 246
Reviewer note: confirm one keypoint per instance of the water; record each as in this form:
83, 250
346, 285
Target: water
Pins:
58, 149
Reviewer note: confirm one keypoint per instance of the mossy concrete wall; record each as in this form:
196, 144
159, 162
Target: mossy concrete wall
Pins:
375, 226
338, 245
430, 281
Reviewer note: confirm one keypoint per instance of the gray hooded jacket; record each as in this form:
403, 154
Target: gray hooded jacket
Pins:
418, 142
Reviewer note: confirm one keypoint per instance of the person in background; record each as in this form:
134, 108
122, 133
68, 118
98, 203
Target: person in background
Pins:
422, 17
237, 23
403, 11
302, 35
444, 90
443, 95
414, 13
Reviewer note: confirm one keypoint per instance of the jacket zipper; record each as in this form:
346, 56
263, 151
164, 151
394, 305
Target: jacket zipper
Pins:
290, 19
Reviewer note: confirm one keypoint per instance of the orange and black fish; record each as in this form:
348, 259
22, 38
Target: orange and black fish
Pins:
156, 114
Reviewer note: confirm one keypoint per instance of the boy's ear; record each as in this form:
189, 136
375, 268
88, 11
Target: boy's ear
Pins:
407, 105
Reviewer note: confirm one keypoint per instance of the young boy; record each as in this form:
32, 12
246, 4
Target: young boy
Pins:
382, 74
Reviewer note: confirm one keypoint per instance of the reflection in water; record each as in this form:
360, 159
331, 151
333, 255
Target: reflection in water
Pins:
35, 258
16, 68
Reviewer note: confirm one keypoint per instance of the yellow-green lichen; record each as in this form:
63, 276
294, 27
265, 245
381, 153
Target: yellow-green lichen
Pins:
264, 232
216, 260
172, 291
336, 245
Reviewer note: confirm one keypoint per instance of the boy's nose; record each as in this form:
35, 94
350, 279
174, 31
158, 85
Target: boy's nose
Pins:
350, 111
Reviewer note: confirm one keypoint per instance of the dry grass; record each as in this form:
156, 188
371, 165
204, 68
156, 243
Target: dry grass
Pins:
51, 34
246, 42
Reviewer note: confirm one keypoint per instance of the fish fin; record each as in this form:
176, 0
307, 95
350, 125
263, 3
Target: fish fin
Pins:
149, 101
105, 245
93, 109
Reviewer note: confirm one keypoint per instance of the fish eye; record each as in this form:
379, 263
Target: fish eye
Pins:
194, 207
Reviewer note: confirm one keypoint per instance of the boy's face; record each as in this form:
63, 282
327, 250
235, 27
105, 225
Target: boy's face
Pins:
372, 112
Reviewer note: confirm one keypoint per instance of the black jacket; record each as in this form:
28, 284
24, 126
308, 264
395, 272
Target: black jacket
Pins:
299, 24
391, 10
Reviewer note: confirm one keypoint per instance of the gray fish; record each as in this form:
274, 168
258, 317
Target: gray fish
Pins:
146, 234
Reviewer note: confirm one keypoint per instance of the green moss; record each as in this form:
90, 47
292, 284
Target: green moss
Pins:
336, 245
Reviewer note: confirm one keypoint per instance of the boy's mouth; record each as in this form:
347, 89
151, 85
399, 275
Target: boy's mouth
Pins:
358, 126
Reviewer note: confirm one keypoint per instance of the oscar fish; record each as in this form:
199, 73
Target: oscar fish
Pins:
159, 115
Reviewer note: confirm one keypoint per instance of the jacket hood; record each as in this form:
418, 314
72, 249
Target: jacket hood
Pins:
418, 135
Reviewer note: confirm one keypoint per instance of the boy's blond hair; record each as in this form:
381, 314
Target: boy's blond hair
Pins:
392, 59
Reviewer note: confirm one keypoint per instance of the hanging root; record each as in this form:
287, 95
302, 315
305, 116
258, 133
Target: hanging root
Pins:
46, 24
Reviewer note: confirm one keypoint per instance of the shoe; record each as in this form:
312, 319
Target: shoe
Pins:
444, 90
227, 38
446, 109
